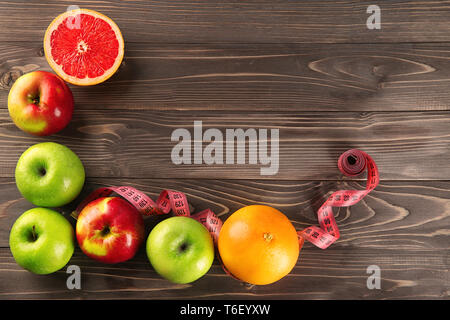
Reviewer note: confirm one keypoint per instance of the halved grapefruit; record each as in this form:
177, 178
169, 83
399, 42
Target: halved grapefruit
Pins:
84, 47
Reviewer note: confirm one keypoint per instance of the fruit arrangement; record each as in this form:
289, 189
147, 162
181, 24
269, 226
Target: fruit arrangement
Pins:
256, 244
85, 47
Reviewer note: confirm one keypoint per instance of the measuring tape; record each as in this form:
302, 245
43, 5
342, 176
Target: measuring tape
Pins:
351, 163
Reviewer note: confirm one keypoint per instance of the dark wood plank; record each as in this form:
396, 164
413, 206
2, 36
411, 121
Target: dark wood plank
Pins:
402, 227
318, 275
313, 77
137, 143
177, 21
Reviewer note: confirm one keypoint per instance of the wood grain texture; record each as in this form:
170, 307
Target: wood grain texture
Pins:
177, 21
284, 77
318, 275
402, 227
311, 69
137, 143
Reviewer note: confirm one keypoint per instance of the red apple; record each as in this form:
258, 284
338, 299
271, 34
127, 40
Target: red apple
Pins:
110, 230
40, 103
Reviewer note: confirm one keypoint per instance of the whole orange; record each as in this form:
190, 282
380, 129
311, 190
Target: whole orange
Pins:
258, 244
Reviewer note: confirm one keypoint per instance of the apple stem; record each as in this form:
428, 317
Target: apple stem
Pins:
33, 233
34, 98
183, 247
105, 231
42, 172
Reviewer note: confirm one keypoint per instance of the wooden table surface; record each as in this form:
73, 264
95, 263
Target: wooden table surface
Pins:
311, 69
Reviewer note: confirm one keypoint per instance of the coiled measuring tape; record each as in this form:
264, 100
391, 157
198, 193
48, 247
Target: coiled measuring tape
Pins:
351, 163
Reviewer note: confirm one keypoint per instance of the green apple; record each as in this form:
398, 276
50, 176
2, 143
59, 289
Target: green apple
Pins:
42, 240
180, 249
49, 174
